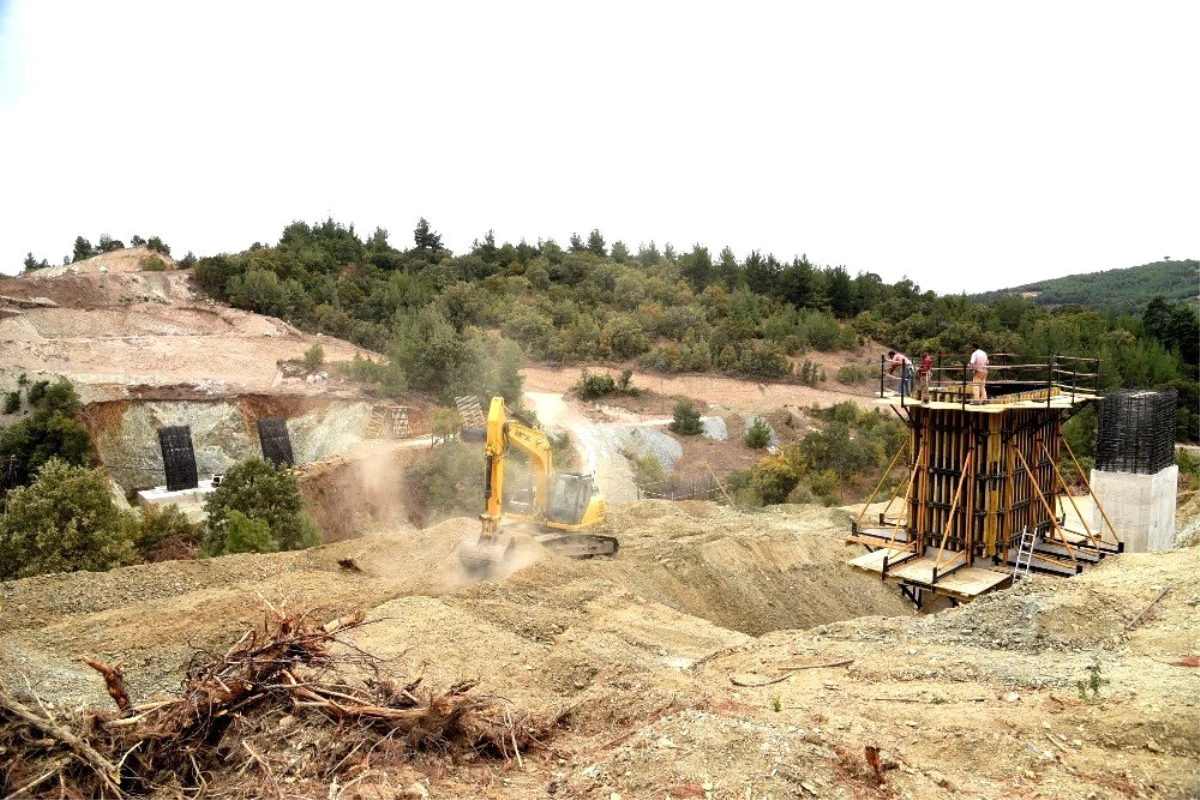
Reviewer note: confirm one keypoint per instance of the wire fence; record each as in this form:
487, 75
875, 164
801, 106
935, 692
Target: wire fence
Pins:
682, 487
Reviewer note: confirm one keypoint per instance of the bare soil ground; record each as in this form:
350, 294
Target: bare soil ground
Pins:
691, 664
643, 650
716, 392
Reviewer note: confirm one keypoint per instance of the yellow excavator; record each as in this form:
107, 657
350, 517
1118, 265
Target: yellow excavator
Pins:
562, 506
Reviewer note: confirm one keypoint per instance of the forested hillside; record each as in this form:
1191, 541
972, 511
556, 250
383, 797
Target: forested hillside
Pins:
1127, 290
456, 323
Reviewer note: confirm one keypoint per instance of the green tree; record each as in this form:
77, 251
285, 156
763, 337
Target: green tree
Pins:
508, 382
262, 492
686, 419
647, 471
697, 267
83, 249
136, 241
425, 237
51, 431
259, 290
445, 481
445, 424
158, 245
773, 479
64, 521
108, 244
595, 243
436, 358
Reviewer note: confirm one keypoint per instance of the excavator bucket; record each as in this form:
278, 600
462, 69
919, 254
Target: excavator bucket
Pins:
480, 552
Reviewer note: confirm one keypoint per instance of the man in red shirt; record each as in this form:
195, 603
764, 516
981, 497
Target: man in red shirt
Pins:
923, 373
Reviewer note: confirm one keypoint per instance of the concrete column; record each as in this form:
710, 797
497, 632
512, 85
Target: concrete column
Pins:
1141, 507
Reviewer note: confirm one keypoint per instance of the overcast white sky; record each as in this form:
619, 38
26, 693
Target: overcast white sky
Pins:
966, 145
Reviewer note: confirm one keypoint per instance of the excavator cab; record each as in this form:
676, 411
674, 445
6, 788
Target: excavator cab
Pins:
569, 498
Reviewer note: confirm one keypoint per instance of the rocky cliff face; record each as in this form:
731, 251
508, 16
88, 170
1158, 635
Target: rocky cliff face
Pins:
223, 432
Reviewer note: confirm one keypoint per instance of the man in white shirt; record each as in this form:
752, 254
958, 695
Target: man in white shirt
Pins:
979, 364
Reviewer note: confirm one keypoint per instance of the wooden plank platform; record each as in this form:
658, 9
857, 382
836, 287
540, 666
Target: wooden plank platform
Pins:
872, 563
964, 584
995, 405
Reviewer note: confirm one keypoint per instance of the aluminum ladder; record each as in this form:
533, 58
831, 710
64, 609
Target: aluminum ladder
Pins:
1024, 554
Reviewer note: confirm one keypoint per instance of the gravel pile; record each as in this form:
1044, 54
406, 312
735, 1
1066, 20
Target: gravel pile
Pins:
645, 441
714, 428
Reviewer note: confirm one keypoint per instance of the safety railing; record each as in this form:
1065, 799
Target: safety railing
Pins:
1009, 379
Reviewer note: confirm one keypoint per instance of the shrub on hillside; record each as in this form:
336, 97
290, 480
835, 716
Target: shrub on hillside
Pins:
758, 435
12, 402
163, 532
850, 374
590, 386
64, 521
259, 491
157, 245
314, 357
36, 392
647, 470
686, 419
811, 374
246, 535
153, 264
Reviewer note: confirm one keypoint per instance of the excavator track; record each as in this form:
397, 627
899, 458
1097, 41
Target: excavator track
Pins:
482, 554
579, 545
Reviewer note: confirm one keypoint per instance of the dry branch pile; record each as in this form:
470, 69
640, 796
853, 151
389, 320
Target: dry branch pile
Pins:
238, 712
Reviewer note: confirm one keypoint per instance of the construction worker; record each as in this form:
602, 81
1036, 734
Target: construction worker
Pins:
901, 362
979, 366
923, 372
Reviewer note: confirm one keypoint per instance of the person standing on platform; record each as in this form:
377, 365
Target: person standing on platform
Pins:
923, 373
901, 362
979, 365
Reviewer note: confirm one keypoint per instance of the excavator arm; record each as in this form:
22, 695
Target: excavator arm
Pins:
503, 433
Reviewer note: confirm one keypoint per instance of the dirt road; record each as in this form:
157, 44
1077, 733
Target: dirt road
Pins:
728, 393
598, 453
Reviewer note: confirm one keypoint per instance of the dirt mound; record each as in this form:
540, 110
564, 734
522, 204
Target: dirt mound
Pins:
692, 564
130, 259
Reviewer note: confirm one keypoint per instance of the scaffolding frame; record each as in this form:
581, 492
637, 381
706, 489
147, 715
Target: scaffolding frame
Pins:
978, 474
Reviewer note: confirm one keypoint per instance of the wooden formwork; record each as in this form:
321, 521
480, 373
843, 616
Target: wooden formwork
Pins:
978, 475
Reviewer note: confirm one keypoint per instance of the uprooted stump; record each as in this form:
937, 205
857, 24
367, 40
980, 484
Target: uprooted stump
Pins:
233, 712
